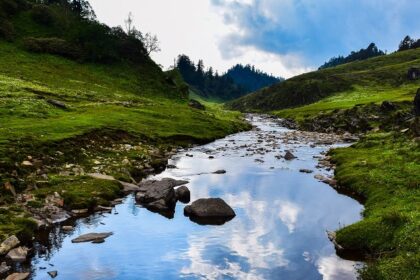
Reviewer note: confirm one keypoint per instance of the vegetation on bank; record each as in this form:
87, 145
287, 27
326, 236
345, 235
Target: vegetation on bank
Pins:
385, 169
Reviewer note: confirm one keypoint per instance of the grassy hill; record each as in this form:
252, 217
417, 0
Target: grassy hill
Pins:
344, 86
64, 114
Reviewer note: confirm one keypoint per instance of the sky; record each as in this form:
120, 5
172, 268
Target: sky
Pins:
280, 37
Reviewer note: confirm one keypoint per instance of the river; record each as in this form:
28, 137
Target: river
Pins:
279, 231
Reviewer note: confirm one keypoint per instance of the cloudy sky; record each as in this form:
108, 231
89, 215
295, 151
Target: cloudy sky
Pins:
282, 37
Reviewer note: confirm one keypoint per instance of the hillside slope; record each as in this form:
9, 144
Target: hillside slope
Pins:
101, 110
363, 82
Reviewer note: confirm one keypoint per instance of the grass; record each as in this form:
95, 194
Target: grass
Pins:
346, 100
108, 106
384, 168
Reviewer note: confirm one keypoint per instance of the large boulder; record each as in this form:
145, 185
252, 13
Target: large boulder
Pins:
417, 103
209, 211
159, 195
18, 254
8, 244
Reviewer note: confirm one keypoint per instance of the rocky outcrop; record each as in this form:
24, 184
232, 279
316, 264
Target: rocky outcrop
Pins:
92, 237
8, 244
159, 195
209, 211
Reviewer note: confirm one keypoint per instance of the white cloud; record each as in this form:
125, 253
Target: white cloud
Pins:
197, 29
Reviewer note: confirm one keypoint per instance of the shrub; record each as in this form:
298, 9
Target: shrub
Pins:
6, 29
54, 46
43, 15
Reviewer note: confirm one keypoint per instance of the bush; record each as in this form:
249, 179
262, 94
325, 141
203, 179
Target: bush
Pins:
54, 46
6, 29
43, 15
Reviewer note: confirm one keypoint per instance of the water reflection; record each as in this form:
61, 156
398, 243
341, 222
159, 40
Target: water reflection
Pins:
278, 233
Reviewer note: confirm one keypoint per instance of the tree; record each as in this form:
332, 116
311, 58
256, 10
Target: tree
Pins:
129, 23
83, 9
406, 44
151, 43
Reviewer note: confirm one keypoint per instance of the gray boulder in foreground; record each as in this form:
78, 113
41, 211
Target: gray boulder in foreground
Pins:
209, 211
92, 237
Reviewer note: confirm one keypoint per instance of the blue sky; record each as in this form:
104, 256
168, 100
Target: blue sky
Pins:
283, 37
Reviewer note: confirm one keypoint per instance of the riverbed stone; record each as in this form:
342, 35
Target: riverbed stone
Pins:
183, 194
18, 276
8, 244
4, 268
289, 156
221, 171
18, 254
209, 211
91, 237
53, 274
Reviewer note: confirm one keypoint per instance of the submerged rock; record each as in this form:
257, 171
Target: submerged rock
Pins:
91, 237
183, 194
8, 244
289, 156
53, 274
209, 211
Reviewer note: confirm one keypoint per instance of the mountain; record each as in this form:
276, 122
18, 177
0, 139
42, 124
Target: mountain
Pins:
370, 80
251, 79
238, 81
371, 51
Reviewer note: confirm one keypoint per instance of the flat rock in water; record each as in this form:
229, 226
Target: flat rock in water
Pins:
18, 276
219, 171
209, 211
8, 244
18, 254
91, 237
289, 156
305, 171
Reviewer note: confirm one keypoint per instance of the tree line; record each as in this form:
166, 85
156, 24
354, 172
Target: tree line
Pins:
236, 82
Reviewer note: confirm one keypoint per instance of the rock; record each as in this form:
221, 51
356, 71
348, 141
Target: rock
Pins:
101, 176
53, 274
80, 212
417, 103
8, 244
305, 171
332, 237
129, 187
101, 208
161, 208
219, 171
209, 211
67, 228
171, 166
188, 155
387, 106
196, 105
289, 156
26, 163
211, 157
91, 237
4, 268
18, 276
57, 104
183, 194
154, 190
18, 254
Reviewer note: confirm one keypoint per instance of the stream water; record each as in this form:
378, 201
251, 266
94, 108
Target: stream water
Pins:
279, 231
